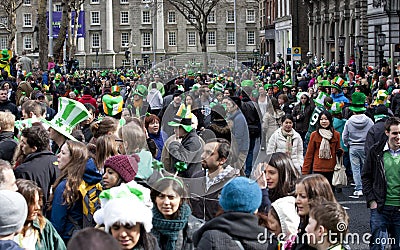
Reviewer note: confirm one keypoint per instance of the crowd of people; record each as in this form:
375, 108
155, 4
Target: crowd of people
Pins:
180, 159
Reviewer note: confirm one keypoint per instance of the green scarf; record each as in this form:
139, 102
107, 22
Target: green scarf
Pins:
170, 229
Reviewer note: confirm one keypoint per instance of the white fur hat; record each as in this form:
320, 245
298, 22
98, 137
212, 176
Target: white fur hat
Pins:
288, 217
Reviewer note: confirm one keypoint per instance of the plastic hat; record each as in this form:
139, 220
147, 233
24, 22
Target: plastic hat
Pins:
336, 108
218, 87
247, 83
324, 83
70, 114
5, 55
268, 86
190, 72
112, 105
338, 83
196, 86
381, 98
183, 118
288, 83
357, 102
319, 101
140, 90
115, 89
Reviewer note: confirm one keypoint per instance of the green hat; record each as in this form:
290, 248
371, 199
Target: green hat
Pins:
336, 108
324, 83
358, 102
183, 118
28, 75
140, 90
5, 55
218, 87
112, 105
115, 89
247, 83
196, 86
319, 100
70, 114
160, 87
268, 86
57, 77
288, 83
190, 72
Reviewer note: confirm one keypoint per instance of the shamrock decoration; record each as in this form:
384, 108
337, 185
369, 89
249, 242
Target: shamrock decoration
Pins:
157, 165
181, 166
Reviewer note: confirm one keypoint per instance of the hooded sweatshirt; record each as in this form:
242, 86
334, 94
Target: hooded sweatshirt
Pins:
355, 131
154, 98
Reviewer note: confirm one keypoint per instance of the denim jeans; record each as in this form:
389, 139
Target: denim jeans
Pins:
384, 224
357, 159
249, 159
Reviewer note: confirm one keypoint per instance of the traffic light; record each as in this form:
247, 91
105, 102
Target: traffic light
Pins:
127, 52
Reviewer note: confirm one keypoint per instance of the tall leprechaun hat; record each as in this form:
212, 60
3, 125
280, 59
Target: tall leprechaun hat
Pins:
358, 102
183, 118
70, 114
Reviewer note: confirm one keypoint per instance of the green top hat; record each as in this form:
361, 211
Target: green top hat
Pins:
336, 108
358, 102
319, 100
324, 83
288, 83
70, 114
5, 55
190, 72
247, 83
115, 89
183, 118
268, 86
140, 90
218, 87
112, 105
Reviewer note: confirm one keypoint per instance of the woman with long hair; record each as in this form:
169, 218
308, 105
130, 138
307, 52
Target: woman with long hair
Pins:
323, 147
173, 223
308, 189
106, 146
66, 201
272, 119
38, 232
286, 140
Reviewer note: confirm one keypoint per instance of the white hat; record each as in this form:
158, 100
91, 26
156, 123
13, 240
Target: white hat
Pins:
127, 203
288, 217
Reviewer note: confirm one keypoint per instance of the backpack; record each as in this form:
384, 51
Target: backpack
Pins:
90, 202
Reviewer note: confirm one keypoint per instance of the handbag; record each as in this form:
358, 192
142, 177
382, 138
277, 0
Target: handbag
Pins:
339, 174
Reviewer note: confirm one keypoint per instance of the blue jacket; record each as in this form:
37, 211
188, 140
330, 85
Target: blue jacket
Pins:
338, 125
339, 97
9, 245
64, 216
159, 139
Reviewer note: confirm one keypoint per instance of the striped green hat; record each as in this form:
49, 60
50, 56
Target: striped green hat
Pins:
70, 113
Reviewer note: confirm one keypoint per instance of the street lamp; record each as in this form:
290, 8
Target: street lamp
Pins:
256, 53
342, 41
381, 43
267, 58
360, 43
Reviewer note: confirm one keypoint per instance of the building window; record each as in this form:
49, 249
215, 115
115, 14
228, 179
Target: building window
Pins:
146, 17
211, 38
230, 38
94, 1
171, 17
191, 38
27, 42
27, 20
95, 40
58, 7
3, 42
250, 16
146, 1
211, 17
27, 2
172, 38
124, 1
126, 63
125, 39
95, 17
3, 21
146, 39
230, 16
251, 38
124, 17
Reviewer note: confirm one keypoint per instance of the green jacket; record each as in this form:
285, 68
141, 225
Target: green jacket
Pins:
48, 237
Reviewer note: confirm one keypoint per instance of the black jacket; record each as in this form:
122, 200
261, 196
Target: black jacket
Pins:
222, 232
301, 124
373, 175
252, 113
41, 168
375, 134
189, 150
10, 107
7, 146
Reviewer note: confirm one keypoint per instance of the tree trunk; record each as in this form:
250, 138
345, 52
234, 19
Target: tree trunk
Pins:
43, 35
13, 31
65, 21
75, 33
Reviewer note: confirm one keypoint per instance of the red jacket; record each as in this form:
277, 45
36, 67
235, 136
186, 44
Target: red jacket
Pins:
88, 99
312, 158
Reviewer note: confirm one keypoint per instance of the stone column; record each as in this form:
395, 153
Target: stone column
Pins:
337, 19
109, 30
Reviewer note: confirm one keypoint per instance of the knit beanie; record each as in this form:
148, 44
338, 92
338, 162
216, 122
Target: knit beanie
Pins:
240, 195
288, 217
125, 165
13, 212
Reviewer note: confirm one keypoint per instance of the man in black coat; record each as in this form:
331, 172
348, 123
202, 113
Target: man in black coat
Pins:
7, 142
7, 105
40, 164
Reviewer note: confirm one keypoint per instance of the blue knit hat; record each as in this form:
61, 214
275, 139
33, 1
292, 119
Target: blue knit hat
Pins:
240, 195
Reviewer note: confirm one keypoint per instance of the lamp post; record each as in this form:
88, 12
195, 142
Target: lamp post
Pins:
360, 43
381, 43
267, 58
342, 41
256, 53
